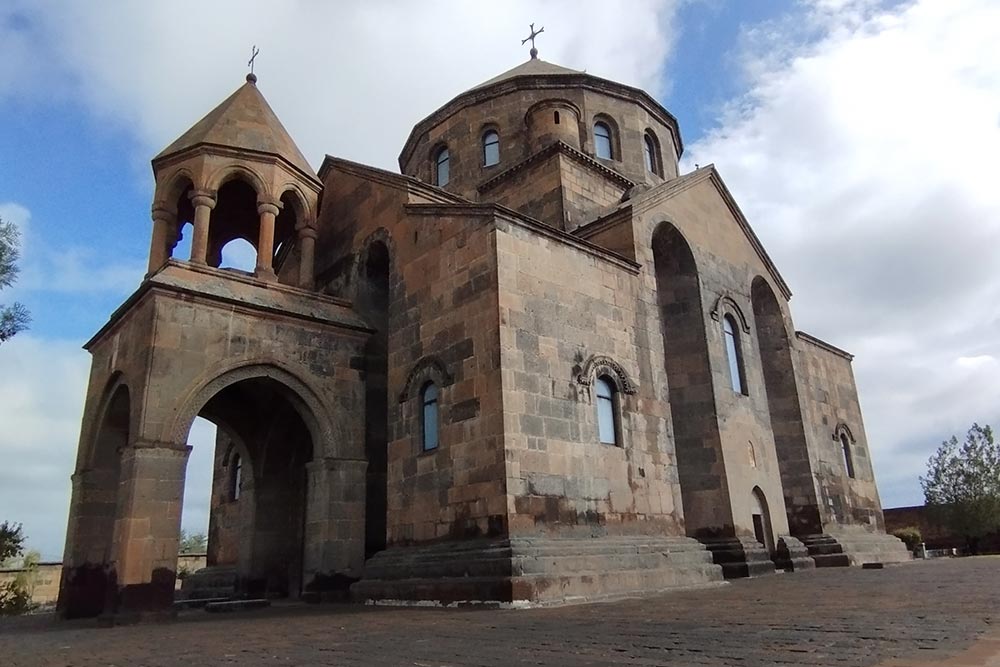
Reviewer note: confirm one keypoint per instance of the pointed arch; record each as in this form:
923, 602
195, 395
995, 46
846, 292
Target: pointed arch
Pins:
842, 429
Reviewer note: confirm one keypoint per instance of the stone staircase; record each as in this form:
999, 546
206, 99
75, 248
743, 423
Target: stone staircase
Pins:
740, 557
855, 548
536, 570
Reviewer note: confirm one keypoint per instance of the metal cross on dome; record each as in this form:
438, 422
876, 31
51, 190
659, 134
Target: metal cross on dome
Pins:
531, 37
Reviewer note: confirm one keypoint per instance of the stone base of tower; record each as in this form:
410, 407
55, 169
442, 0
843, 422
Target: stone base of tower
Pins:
740, 556
535, 571
791, 555
842, 549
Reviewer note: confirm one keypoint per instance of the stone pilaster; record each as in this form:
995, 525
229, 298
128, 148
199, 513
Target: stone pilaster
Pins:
335, 519
148, 526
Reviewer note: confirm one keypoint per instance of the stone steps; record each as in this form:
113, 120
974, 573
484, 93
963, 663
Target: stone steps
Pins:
536, 570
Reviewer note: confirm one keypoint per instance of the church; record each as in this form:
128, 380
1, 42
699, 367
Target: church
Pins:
537, 366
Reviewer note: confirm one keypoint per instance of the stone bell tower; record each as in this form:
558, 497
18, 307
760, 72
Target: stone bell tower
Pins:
259, 353
236, 174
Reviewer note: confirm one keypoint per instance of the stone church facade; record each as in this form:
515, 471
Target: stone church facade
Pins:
538, 365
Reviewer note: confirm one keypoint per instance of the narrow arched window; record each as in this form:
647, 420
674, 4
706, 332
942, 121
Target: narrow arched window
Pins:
733, 354
429, 419
491, 149
845, 444
602, 140
236, 477
555, 117
441, 166
651, 158
607, 411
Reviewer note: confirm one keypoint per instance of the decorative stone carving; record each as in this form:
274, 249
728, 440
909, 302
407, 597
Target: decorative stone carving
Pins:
727, 304
843, 429
600, 365
428, 368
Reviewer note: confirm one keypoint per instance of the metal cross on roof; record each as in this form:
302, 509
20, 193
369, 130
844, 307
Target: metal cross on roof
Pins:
253, 56
531, 37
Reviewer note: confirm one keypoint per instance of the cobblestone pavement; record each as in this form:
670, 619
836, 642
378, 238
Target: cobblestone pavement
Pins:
919, 613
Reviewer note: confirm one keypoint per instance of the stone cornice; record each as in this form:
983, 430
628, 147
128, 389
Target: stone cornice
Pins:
548, 151
498, 212
159, 163
581, 81
822, 344
196, 282
391, 179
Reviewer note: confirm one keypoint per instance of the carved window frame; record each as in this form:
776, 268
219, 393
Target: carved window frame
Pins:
604, 367
843, 436
427, 371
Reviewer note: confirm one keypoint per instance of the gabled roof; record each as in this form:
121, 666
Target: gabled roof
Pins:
244, 121
669, 189
533, 67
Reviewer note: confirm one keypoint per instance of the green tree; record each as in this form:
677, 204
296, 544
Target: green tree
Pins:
193, 543
11, 541
15, 595
962, 486
15, 317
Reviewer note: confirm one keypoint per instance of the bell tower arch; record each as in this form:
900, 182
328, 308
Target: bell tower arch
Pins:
237, 174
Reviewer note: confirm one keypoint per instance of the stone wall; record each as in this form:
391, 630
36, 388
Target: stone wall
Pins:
563, 306
830, 396
443, 327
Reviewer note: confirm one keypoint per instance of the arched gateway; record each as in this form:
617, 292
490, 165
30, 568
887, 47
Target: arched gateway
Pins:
262, 355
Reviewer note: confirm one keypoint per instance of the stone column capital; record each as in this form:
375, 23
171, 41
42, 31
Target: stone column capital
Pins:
162, 211
268, 206
307, 232
203, 198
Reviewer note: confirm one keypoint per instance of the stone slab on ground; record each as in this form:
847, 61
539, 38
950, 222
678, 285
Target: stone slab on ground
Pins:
925, 613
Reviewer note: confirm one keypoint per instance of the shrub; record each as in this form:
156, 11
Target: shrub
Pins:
910, 535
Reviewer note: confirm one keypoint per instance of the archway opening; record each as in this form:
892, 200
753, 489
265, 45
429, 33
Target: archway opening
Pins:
234, 216
689, 383
88, 584
179, 247
238, 254
372, 301
761, 519
785, 411
256, 511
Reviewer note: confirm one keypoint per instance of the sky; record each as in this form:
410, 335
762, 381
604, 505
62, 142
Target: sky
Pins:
859, 137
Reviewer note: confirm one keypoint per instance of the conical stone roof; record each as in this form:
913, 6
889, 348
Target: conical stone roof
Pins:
243, 121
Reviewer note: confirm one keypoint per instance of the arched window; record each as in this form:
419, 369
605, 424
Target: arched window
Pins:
236, 477
555, 117
441, 160
733, 355
429, 421
607, 411
491, 149
602, 140
652, 159
845, 444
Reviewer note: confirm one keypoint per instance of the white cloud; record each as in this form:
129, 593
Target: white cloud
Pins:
43, 383
345, 78
42, 387
864, 155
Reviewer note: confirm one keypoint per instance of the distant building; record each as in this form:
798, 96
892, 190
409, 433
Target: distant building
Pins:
539, 365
